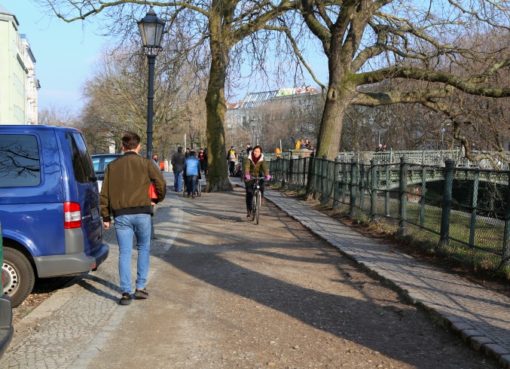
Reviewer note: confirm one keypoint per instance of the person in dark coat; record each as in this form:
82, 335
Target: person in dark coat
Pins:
178, 167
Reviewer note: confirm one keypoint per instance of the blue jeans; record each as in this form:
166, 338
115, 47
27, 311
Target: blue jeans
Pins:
191, 185
127, 226
178, 181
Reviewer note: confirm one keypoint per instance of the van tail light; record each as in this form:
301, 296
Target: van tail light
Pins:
72, 215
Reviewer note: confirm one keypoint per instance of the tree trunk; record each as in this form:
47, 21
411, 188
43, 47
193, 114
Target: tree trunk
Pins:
217, 176
330, 132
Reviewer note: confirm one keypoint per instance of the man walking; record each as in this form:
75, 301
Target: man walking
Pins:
125, 196
178, 167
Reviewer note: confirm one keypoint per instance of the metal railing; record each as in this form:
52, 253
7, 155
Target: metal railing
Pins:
482, 159
463, 208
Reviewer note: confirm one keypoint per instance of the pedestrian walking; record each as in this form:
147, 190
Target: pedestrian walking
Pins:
231, 158
192, 173
202, 158
203, 163
178, 167
125, 197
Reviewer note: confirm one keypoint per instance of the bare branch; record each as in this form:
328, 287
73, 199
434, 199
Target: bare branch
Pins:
297, 52
396, 97
83, 14
465, 85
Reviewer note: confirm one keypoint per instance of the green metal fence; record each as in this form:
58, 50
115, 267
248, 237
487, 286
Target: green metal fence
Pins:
466, 209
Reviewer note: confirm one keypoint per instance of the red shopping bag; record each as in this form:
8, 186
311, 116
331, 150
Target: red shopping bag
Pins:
153, 195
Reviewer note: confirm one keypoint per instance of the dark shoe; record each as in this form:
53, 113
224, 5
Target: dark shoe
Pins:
125, 299
141, 294
248, 214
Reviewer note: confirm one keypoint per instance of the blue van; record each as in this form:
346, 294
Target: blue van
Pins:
49, 207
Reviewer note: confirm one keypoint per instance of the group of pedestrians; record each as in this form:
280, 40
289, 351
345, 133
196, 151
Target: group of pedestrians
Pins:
133, 185
188, 168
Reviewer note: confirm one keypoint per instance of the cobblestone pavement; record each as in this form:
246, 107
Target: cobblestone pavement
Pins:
480, 315
227, 294
64, 331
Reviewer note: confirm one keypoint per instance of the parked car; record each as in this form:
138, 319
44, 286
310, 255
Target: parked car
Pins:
100, 162
49, 207
6, 329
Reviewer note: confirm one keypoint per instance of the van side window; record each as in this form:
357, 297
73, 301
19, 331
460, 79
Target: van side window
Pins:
19, 161
82, 165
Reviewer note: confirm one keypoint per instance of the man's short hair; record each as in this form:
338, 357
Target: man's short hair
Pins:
130, 141
179, 149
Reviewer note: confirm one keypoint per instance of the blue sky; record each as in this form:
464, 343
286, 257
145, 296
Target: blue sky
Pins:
66, 54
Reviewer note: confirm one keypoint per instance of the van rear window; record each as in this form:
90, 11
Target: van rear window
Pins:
82, 164
19, 161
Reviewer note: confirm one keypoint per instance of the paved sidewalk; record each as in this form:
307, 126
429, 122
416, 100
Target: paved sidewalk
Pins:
480, 315
68, 328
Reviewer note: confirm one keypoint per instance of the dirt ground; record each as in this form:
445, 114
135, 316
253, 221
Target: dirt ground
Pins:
229, 294
43, 289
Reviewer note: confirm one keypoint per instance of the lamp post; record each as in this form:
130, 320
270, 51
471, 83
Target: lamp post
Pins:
443, 130
151, 29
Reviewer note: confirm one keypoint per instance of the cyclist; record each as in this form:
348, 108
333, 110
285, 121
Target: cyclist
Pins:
254, 166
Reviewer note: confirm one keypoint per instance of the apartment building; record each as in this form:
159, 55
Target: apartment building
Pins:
18, 82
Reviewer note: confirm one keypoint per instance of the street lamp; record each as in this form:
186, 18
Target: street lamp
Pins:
151, 30
443, 130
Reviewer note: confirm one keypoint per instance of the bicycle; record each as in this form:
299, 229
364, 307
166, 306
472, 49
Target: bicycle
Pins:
257, 200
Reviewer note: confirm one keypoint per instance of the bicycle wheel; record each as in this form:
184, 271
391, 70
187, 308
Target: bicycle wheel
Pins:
258, 201
254, 206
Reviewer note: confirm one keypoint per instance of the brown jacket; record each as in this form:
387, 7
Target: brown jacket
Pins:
126, 186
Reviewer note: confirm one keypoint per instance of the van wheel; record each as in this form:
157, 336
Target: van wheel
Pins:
17, 276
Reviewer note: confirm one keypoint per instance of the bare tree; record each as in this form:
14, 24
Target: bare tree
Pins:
57, 117
116, 95
369, 41
223, 23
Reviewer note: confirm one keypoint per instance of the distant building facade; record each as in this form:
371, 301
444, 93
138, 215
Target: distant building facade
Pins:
18, 81
251, 109
292, 111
